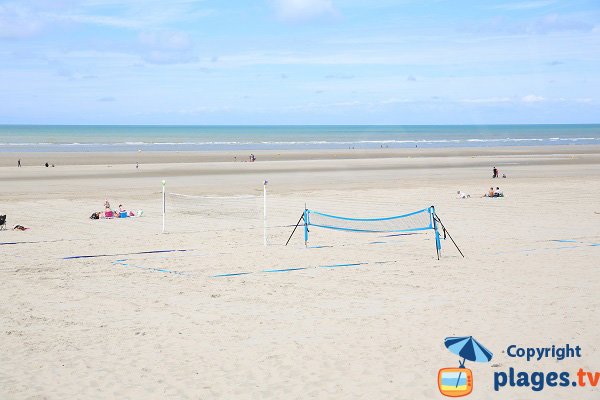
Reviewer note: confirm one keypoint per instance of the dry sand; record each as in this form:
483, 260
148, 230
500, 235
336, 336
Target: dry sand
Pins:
160, 325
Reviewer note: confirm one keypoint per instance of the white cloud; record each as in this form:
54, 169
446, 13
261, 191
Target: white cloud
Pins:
346, 104
532, 98
18, 22
166, 47
96, 20
24, 19
301, 10
524, 5
488, 100
394, 100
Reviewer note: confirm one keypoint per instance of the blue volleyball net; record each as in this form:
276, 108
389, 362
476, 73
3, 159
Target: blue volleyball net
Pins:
421, 220
415, 221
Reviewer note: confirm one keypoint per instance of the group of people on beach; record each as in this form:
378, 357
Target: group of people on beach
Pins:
494, 192
108, 212
45, 165
251, 158
496, 173
491, 193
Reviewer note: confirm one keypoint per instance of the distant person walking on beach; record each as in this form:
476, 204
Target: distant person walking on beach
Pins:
19, 163
495, 172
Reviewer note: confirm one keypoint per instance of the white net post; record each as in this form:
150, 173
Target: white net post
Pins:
164, 206
265, 212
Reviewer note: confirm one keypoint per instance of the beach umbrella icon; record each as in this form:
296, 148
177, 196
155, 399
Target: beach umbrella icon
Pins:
469, 349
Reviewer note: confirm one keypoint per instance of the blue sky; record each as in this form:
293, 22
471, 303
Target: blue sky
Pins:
299, 62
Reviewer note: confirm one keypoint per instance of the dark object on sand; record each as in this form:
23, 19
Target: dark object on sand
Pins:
2, 222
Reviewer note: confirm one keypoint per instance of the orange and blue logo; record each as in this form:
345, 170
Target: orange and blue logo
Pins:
455, 382
458, 382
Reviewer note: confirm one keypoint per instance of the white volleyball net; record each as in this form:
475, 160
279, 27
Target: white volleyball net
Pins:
204, 213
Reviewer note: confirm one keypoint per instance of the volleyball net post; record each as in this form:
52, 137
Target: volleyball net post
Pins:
265, 241
164, 205
305, 217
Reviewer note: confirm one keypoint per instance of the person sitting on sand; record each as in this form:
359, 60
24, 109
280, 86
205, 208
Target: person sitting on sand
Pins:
498, 192
490, 193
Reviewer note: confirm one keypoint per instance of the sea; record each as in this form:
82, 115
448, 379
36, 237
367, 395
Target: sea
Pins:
124, 138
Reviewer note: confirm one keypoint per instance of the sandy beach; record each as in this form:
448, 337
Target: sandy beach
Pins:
357, 316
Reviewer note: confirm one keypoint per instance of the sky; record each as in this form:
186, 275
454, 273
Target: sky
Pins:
299, 62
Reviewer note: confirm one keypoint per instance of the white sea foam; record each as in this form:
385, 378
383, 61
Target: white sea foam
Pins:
291, 144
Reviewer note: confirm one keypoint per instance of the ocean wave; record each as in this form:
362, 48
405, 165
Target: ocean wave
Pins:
135, 145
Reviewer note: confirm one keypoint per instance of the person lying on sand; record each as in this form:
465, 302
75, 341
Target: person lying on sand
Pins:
462, 195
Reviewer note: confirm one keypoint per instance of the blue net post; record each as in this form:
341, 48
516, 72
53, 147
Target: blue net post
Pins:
306, 212
438, 244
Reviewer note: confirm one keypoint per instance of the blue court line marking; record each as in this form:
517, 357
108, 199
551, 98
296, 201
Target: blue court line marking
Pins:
402, 234
284, 269
377, 242
341, 265
553, 248
149, 268
126, 254
233, 274
303, 268
41, 241
564, 240
318, 247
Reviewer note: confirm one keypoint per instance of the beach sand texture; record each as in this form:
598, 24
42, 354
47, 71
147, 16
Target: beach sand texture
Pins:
161, 325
